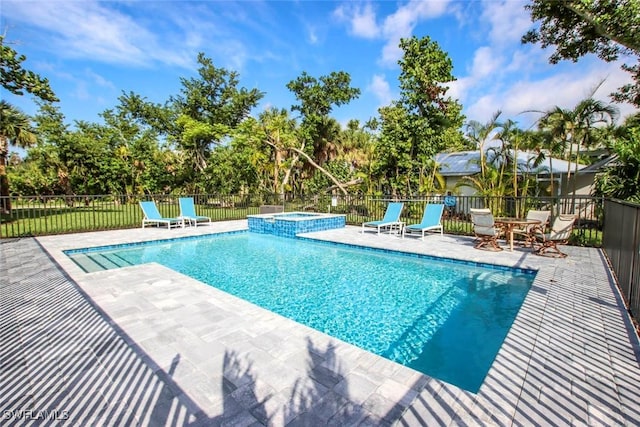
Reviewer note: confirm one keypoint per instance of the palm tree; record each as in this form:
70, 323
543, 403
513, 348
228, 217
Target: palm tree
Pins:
623, 181
511, 137
356, 148
480, 134
588, 114
15, 128
557, 124
326, 131
576, 127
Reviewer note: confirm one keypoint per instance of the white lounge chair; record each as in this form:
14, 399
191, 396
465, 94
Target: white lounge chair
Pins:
188, 211
152, 216
431, 221
390, 220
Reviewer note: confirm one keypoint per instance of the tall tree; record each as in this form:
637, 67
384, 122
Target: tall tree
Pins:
210, 107
15, 127
317, 97
357, 150
555, 126
319, 133
429, 120
200, 117
136, 162
512, 141
393, 152
575, 128
53, 134
481, 134
266, 142
424, 72
17, 80
610, 29
622, 181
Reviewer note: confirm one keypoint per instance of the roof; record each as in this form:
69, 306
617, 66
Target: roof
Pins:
609, 161
468, 163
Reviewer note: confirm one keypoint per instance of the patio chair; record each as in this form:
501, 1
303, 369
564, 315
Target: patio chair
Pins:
188, 211
431, 221
152, 216
528, 232
390, 220
485, 230
560, 233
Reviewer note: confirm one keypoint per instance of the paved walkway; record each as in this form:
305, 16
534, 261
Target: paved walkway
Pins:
148, 346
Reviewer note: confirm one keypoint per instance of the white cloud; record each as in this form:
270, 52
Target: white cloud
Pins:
508, 76
525, 59
508, 19
98, 79
485, 62
234, 54
312, 36
87, 29
459, 87
90, 30
401, 24
81, 91
381, 89
485, 68
364, 23
522, 99
361, 19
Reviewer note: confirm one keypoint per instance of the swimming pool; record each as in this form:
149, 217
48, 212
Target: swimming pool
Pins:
443, 318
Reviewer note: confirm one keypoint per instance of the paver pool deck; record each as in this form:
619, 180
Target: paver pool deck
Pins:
145, 345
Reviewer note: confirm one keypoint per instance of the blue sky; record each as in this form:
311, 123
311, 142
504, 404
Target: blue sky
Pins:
93, 51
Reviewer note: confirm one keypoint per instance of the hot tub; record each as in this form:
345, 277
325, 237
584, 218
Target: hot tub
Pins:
289, 224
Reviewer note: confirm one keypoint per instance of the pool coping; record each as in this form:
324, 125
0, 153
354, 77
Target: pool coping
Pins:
571, 315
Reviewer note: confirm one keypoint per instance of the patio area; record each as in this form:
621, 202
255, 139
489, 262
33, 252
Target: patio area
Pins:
145, 345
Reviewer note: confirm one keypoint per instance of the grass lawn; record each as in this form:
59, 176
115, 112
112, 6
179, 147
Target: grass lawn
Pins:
36, 219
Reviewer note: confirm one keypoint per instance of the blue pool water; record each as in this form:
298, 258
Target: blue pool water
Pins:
443, 318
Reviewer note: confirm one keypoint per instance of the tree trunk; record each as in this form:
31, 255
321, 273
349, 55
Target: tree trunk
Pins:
287, 174
575, 176
356, 181
321, 169
553, 194
5, 203
276, 168
566, 187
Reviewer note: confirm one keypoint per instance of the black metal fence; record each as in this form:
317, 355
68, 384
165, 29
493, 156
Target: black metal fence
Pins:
621, 243
456, 218
42, 215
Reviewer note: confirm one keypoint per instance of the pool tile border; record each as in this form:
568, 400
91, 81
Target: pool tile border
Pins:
93, 249
523, 270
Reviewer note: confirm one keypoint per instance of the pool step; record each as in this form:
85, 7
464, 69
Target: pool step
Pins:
410, 345
92, 262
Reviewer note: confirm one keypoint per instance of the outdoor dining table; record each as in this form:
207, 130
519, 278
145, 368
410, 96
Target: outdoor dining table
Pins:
509, 224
